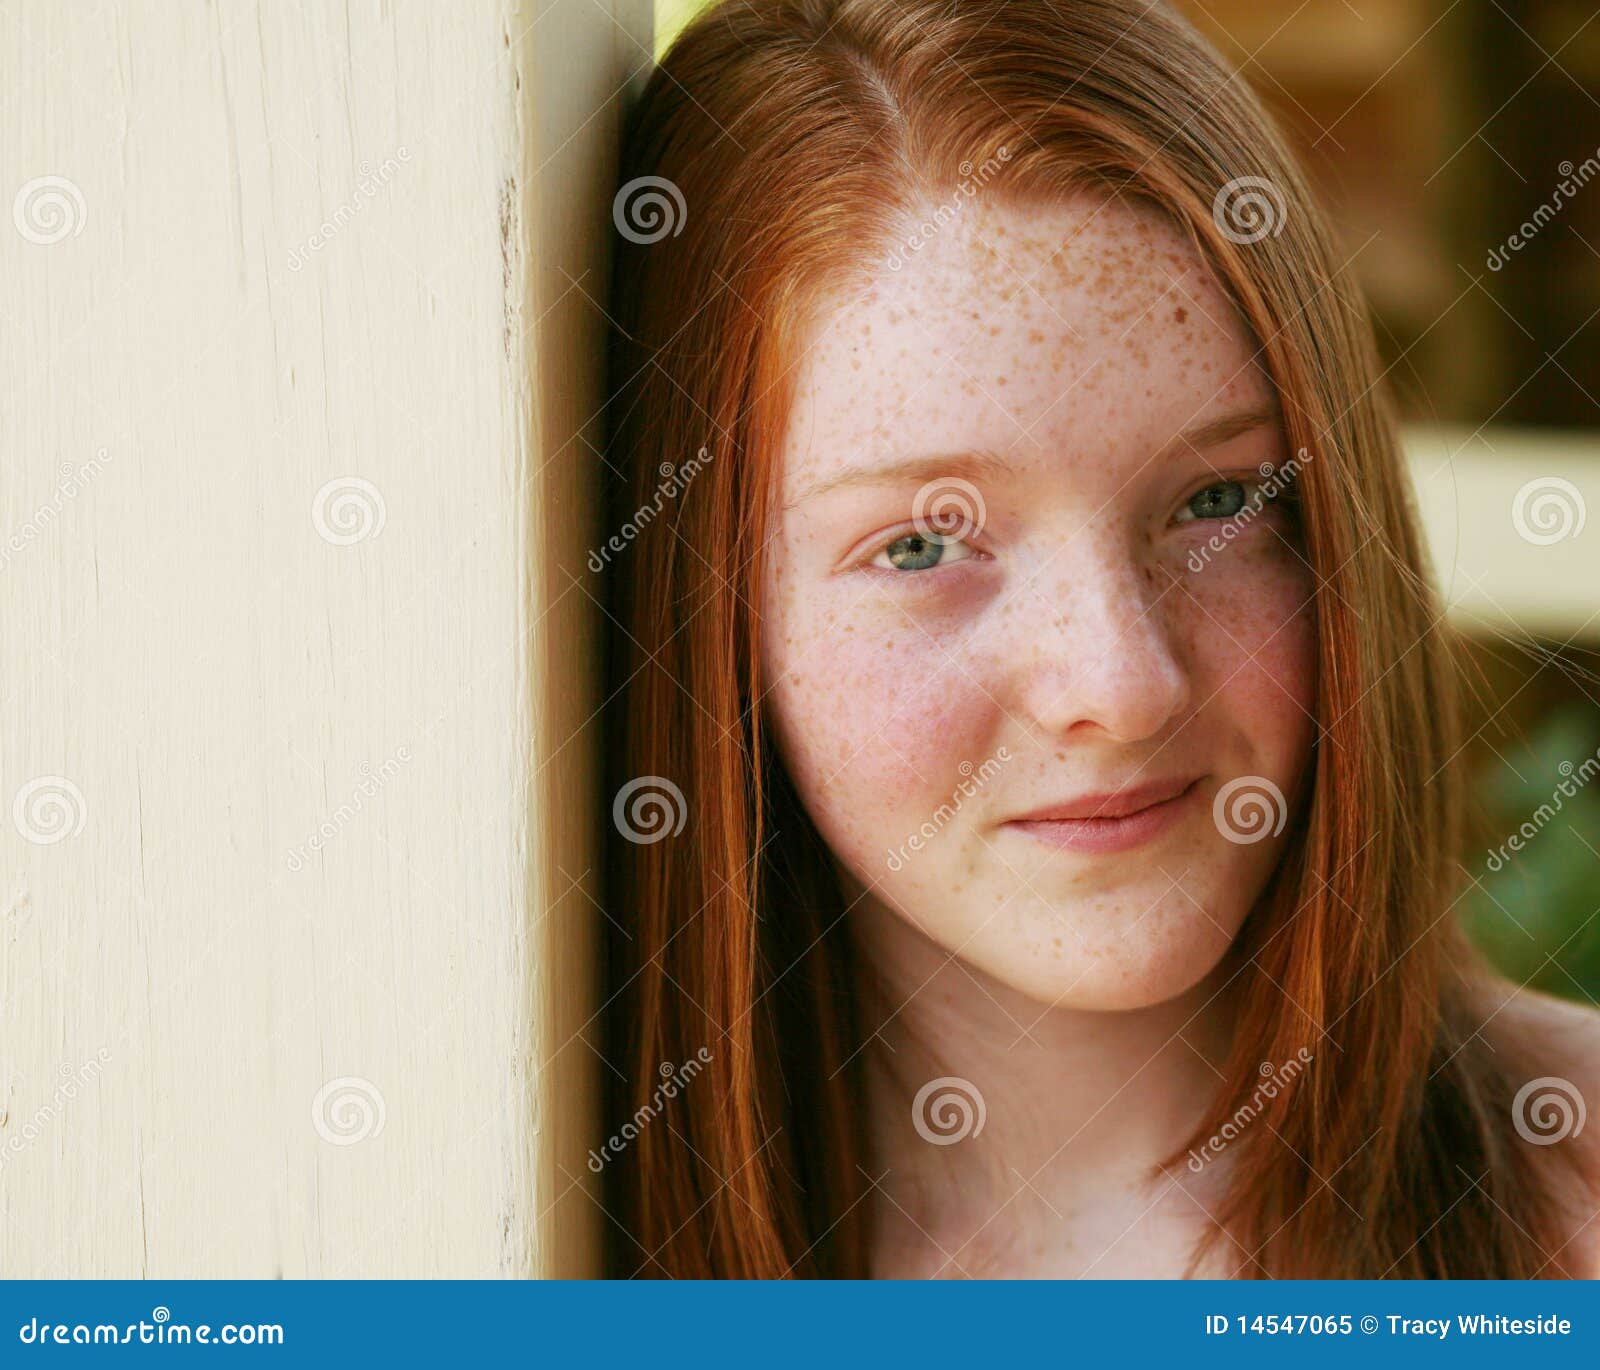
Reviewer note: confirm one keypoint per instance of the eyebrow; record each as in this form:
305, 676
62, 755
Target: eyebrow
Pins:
981, 465
937, 466
1215, 432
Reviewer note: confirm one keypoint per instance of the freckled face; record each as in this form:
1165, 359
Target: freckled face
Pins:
1013, 572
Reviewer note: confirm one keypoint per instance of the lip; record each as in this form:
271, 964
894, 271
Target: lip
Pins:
1114, 822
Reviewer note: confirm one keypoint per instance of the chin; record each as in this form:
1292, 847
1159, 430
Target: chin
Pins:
1157, 959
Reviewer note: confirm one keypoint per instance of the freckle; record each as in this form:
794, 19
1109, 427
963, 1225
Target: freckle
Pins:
1181, 314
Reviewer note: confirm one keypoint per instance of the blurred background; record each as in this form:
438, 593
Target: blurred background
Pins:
1457, 144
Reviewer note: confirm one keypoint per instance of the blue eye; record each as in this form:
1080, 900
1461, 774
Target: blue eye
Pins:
921, 552
1220, 501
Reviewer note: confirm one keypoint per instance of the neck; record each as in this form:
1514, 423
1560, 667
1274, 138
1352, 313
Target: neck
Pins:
1078, 1109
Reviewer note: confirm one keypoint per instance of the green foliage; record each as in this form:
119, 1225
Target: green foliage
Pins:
1536, 911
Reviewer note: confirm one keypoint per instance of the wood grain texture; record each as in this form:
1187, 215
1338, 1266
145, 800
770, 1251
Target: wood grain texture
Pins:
293, 944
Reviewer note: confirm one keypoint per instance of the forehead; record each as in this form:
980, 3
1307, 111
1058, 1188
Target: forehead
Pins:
1090, 324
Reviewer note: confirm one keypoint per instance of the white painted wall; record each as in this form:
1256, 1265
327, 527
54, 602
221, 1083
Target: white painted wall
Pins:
270, 497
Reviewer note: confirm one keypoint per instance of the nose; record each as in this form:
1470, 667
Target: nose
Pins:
1097, 648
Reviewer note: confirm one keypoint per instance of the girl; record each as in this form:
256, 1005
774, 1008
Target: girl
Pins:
1034, 741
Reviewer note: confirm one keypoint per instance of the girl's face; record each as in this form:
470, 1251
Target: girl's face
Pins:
1036, 626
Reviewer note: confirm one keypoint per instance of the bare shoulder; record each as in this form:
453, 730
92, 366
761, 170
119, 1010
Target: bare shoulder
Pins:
1564, 1027
1555, 1044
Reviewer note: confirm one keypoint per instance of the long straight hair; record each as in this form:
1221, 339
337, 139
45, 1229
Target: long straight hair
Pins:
771, 159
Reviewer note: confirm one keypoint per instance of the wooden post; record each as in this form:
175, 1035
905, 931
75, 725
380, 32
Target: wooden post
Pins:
299, 348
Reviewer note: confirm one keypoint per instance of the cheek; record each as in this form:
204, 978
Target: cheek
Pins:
871, 721
1251, 636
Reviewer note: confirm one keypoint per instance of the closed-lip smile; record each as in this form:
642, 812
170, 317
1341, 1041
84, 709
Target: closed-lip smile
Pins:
1110, 821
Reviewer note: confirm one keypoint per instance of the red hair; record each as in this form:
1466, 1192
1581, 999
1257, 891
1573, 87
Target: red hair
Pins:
795, 132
